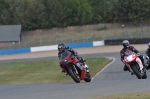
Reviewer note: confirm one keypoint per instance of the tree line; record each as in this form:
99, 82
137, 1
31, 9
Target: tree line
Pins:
46, 14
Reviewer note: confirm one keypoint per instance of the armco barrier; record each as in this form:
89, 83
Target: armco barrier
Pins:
52, 47
132, 41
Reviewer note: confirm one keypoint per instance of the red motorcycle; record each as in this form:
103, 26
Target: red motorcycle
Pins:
133, 62
68, 63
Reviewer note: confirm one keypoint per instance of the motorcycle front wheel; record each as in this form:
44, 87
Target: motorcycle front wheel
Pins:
73, 75
136, 71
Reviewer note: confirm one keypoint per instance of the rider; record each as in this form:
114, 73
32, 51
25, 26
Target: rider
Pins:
148, 50
148, 54
126, 46
62, 47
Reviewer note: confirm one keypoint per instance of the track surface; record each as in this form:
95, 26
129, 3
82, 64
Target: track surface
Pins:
111, 81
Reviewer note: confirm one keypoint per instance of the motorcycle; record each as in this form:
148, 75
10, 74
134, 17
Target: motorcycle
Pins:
68, 63
133, 62
147, 62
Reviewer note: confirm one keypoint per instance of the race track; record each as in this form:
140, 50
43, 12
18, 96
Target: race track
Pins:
111, 81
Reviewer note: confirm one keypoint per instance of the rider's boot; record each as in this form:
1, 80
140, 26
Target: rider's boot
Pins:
142, 71
85, 65
82, 60
87, 68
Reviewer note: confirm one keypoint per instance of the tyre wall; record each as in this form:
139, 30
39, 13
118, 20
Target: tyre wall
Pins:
132, 41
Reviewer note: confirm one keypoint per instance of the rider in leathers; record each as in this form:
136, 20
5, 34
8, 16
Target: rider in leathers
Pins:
126, 46
62, 48
148, 54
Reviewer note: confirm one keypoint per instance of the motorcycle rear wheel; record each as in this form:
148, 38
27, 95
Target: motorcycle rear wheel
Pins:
145, 75
88, 77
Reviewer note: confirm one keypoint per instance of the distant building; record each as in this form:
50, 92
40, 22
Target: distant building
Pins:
10, 34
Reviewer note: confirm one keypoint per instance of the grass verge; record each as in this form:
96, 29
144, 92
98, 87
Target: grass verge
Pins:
42, 71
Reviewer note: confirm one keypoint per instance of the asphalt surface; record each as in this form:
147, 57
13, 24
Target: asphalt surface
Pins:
111, 81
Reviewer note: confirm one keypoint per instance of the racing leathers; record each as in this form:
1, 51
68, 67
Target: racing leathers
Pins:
148, 58
148, 52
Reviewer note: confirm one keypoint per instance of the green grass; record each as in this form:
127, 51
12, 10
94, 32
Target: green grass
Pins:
138, 95
42, 71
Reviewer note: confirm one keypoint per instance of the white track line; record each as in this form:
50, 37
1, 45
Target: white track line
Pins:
105, 67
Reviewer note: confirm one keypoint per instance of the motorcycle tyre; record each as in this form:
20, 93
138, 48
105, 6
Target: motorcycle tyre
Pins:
73, 75
136, 72
88, 77
145, 75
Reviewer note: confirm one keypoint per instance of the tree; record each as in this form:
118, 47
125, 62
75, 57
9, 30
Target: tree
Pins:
134, 11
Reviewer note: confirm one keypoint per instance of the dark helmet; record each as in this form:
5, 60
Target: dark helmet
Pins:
125, 43
61, 47
149, 45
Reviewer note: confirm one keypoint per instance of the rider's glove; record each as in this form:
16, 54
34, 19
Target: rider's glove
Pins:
138, 54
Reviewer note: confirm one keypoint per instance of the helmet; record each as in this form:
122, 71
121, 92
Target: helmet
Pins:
149, 44
125, 43
61, 47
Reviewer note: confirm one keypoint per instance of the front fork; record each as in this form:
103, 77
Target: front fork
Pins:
74, 68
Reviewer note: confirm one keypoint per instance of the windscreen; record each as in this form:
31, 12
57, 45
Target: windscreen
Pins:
66, 54
128, 52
